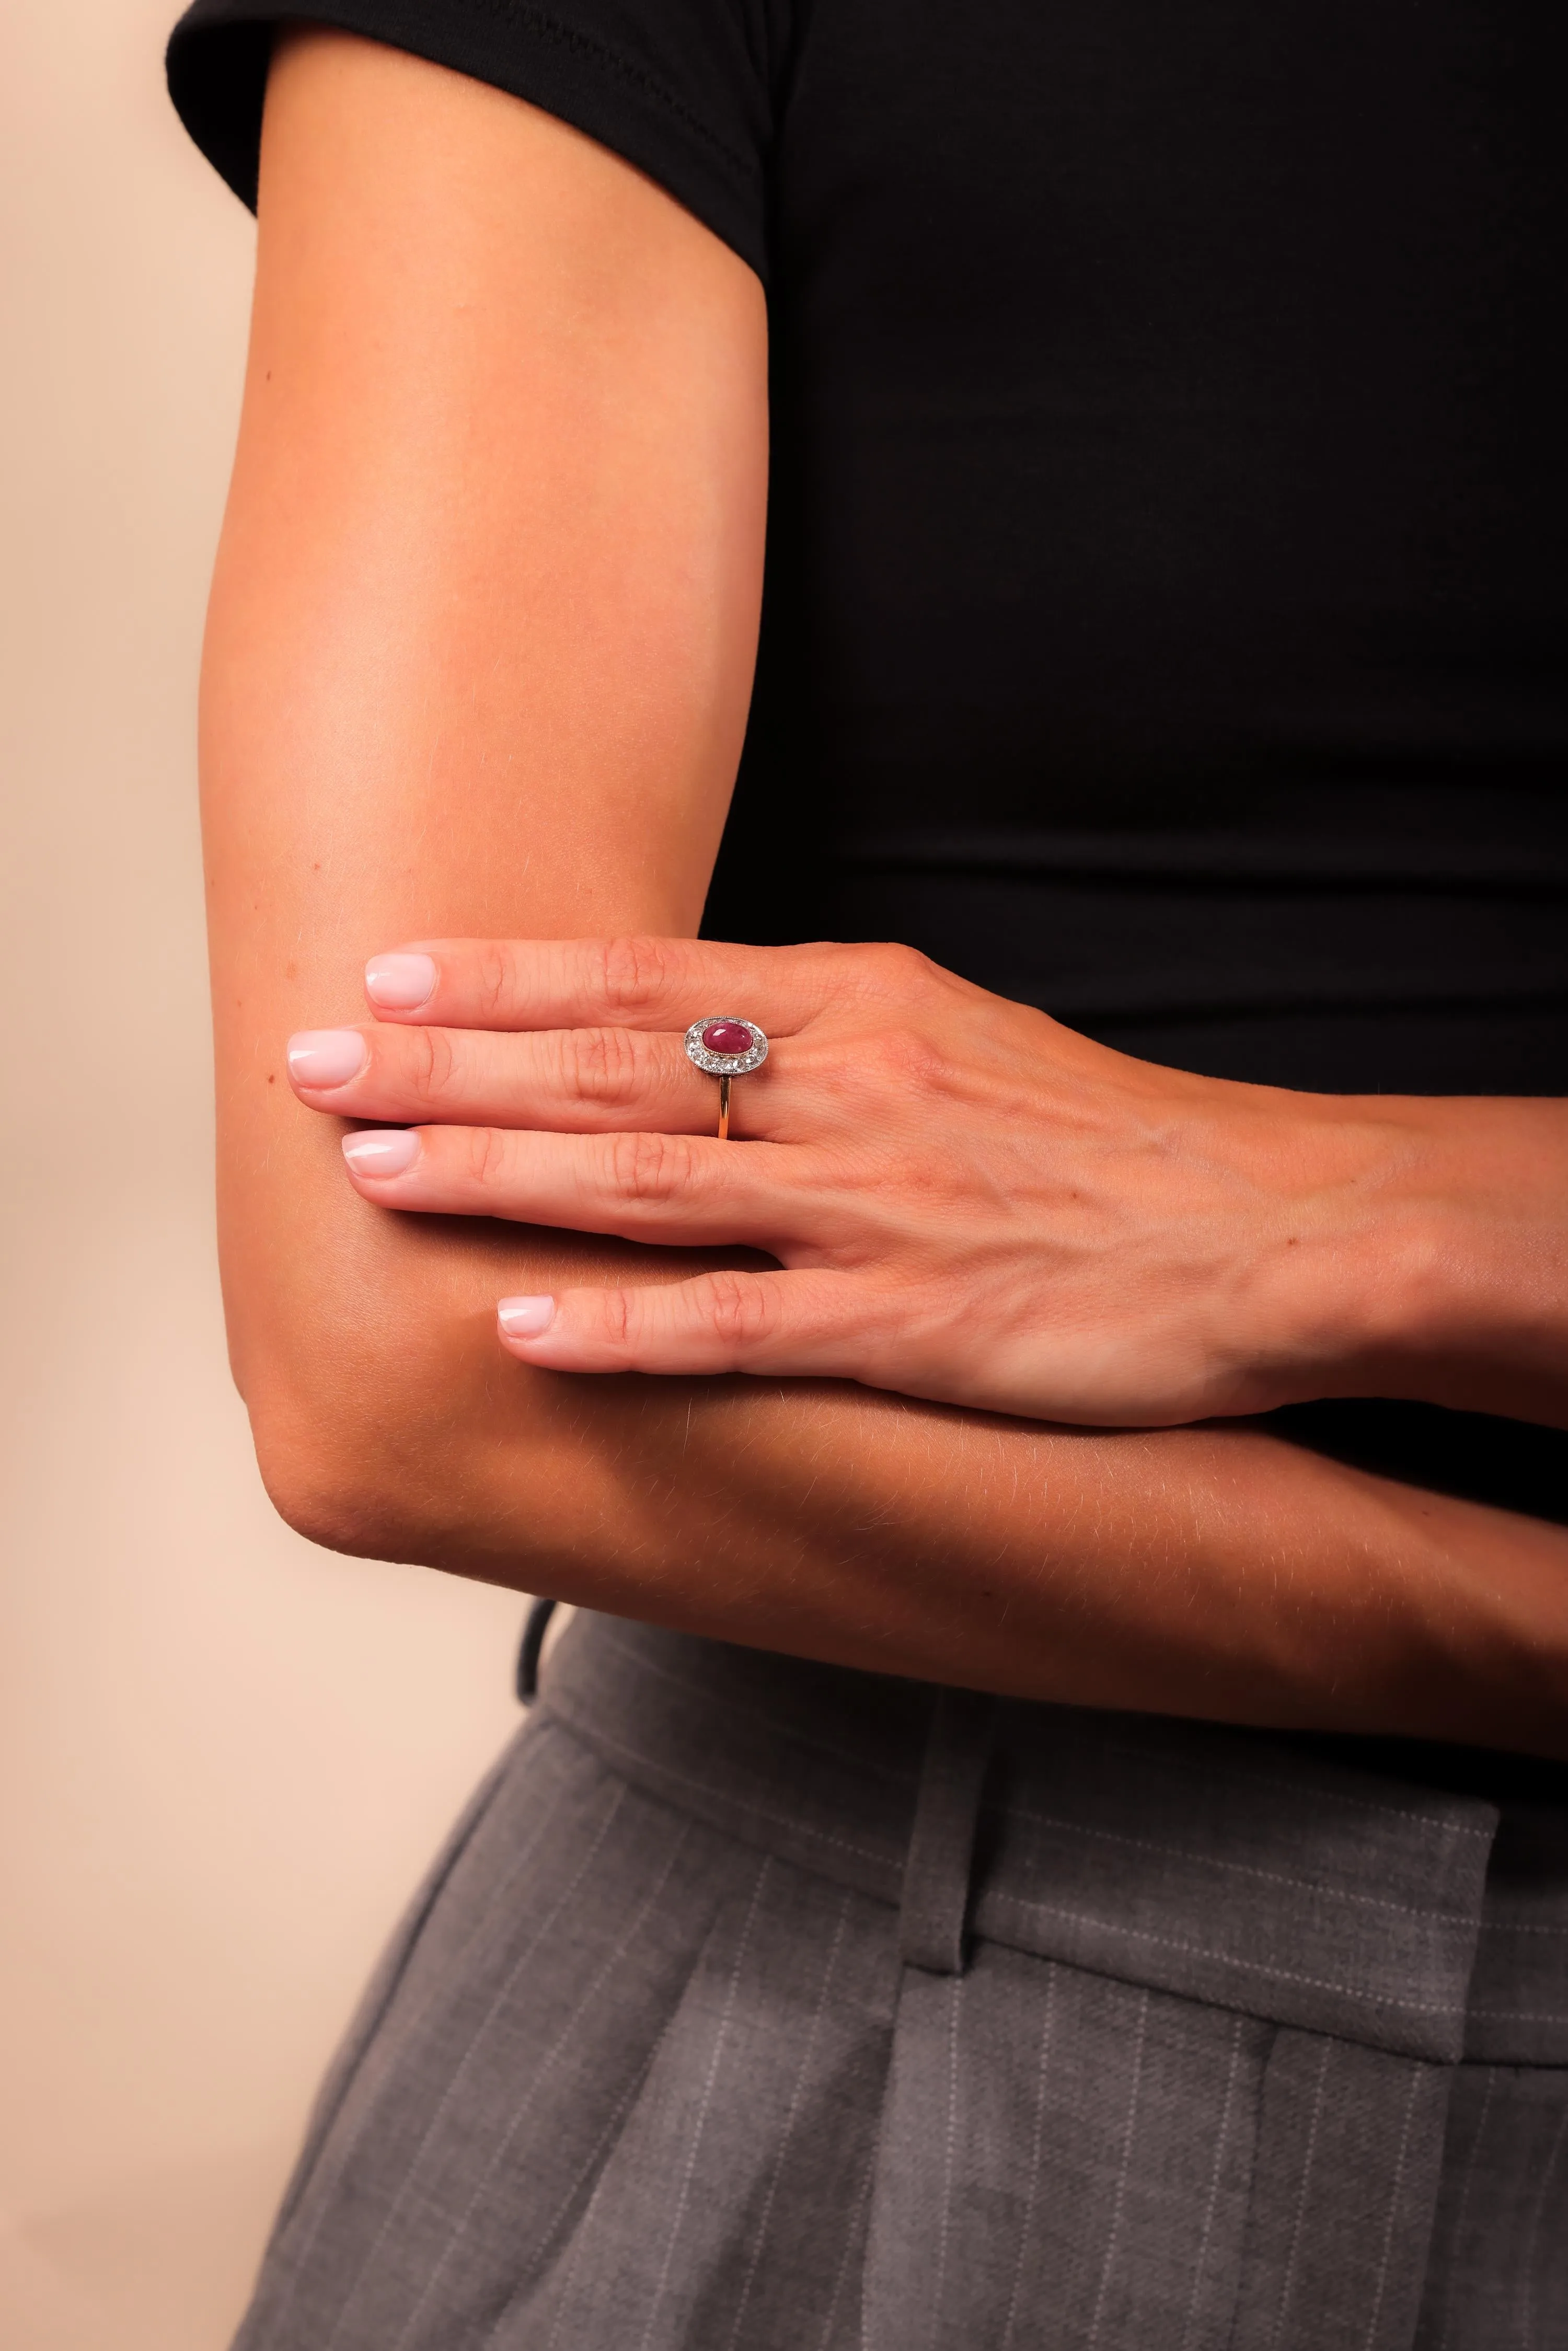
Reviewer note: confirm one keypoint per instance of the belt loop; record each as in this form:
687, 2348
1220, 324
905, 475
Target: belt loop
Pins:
536, 1624
934, 1908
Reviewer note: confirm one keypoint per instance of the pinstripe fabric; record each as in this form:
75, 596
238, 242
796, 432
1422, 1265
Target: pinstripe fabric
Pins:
683, 2047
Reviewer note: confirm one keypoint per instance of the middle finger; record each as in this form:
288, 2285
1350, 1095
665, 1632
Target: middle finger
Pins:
649, 1187
565, 1080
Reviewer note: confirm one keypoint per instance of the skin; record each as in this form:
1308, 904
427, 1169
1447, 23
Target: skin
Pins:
478, 663
972, 1203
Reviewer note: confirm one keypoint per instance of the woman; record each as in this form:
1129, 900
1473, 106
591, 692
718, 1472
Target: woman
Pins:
1020, 1846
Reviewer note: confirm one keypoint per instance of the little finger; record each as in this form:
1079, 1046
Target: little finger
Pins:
799, 1324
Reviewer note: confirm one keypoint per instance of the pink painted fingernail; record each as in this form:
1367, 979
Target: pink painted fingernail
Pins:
525, 1318
399, 983
326, 1056
382, 1151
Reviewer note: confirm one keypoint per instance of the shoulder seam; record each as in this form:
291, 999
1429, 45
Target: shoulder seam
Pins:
571, 37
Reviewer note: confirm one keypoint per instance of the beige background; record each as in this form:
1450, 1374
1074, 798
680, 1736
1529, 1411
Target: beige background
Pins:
225, 1755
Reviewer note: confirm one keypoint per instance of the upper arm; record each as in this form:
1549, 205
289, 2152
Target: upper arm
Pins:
482, 630
479, 660
497, 510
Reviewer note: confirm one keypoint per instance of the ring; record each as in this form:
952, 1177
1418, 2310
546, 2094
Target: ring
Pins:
726, 1047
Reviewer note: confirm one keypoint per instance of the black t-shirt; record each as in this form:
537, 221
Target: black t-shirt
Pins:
1167, 577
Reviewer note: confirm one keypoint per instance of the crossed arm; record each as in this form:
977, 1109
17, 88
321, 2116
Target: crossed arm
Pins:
478, 665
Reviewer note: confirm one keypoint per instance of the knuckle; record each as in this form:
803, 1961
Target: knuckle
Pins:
633, 972
901, 1058
485, 1152
650, 1170
603, 1066
431, 1065
741, 1311
886, 968
493, 979
616, 1318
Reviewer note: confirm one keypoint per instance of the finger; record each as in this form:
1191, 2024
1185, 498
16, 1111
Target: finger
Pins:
633, 982
576, 1081
658, 1187
805, 1324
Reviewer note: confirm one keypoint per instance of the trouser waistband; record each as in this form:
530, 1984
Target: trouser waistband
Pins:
1223, 1865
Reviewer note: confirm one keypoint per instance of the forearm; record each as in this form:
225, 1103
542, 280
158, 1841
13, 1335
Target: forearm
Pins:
1214, 1570
1211, 1571
478, 663
1444, 1254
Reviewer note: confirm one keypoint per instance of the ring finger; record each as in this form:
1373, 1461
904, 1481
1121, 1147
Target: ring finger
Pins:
567, 1081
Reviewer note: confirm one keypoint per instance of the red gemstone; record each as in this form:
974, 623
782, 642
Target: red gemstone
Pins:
727, 1037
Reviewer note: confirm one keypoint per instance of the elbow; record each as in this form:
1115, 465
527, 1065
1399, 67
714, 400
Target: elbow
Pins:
338, 1478
360, 1390
419, 1456
387, 1421
389, 1424
366, 1433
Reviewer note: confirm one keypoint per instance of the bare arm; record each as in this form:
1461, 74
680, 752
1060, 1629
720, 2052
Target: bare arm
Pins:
478, 664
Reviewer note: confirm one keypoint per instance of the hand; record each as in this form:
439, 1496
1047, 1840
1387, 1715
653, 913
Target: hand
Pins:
964, 1201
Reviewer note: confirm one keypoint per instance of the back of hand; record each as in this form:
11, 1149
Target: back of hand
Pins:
962, 1200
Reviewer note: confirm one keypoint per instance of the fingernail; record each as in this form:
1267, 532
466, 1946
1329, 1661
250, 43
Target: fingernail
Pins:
382, 1151
525, 1318
399, 983
326, 1056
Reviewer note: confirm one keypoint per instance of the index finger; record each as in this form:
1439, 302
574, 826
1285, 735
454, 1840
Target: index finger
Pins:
627, 983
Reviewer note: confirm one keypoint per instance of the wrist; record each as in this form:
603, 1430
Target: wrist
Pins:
1434, 1259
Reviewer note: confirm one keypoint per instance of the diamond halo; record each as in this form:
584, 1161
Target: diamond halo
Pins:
726, 1065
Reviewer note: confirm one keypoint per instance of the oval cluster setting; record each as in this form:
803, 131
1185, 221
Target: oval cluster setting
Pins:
725, 1046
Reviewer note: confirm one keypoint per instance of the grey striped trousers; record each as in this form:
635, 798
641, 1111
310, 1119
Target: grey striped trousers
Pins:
757, 2006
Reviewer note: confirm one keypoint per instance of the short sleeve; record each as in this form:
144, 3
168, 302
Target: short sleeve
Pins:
682, 88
